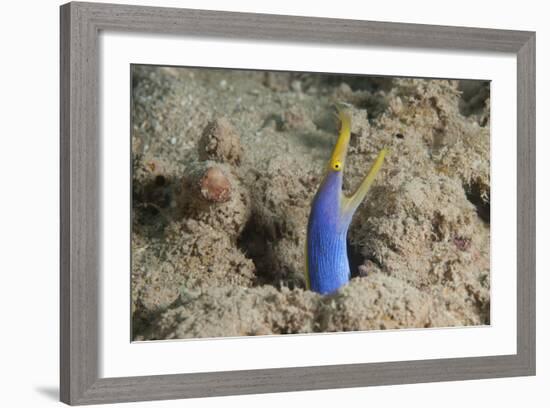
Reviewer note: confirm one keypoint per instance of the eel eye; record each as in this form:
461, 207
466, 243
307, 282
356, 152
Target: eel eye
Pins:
337, 165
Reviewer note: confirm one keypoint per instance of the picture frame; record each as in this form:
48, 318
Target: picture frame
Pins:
81, 24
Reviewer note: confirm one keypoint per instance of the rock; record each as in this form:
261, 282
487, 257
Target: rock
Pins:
199, 256
235, 311
220, 142
211, 193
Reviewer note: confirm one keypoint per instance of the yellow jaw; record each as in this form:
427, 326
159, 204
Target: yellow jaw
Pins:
338, 159
350, 204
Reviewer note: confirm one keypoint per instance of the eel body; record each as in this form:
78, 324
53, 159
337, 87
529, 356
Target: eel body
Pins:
327, 265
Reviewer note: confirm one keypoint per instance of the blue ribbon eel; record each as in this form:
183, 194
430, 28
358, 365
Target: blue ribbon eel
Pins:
327, 265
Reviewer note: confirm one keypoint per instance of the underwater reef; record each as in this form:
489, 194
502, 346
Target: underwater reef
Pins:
225, 164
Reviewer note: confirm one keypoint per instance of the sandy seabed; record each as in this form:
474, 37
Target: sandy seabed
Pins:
226, 163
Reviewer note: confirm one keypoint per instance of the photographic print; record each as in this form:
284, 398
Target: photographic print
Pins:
271, 203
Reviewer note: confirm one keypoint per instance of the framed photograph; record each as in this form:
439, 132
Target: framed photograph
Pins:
261, 203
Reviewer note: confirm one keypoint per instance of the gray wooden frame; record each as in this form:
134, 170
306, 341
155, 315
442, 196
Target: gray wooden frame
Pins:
80, 234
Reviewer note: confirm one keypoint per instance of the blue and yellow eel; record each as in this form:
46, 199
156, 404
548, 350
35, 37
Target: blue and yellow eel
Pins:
327, 265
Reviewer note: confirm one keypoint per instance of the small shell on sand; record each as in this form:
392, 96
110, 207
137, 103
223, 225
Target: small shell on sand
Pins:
214, 185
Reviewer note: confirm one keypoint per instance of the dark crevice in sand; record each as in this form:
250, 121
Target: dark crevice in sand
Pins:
483, 207
355, 259
375, 105
474, 96
143, 322
254, 243
361, 82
